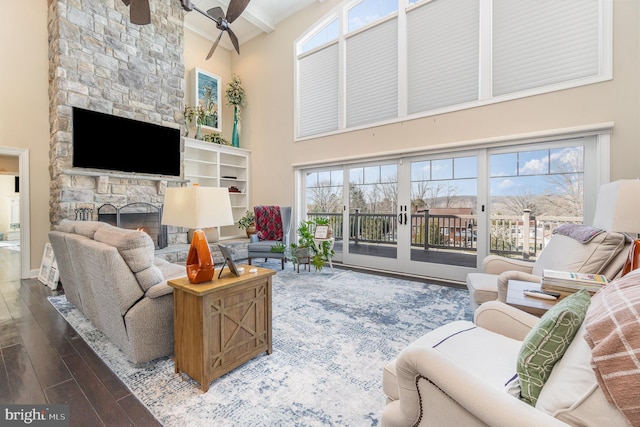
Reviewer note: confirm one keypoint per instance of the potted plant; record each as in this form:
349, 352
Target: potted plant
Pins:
247, 223
306, 246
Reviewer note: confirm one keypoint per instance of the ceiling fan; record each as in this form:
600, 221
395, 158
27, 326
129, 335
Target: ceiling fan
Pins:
235, 9
139, 12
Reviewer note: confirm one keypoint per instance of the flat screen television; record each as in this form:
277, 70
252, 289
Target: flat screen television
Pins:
108, 142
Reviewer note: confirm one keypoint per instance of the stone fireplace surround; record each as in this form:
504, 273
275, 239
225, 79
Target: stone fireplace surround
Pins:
98, 60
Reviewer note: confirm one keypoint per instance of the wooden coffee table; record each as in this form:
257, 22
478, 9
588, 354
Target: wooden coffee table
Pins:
221, 324
517, 298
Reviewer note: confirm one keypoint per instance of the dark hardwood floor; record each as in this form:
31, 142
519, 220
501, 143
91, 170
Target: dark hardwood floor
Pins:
44, 361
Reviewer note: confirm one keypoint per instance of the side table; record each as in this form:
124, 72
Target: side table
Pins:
220, 324
319, 242
532, 305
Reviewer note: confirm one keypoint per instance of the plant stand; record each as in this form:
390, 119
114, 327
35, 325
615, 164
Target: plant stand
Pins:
300, 256
319, 242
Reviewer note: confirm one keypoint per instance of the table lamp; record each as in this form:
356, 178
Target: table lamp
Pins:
197, 208
618, 207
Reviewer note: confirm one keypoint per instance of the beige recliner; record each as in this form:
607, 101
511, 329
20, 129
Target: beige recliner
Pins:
603, 254
457, 375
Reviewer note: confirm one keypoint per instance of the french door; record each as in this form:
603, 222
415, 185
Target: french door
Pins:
439, 215
444, 227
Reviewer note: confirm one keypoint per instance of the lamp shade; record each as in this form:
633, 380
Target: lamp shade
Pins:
618, 207
197, 207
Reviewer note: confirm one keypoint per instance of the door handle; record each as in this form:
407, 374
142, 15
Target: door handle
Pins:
400, 218
405, 218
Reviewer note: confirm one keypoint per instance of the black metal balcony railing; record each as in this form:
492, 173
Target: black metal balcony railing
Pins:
510, 235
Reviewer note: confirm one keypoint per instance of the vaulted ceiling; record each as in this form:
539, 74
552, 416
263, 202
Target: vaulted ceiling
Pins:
260, 16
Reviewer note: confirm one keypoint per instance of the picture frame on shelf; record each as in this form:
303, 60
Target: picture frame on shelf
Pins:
203, 80
321, 232
228, 260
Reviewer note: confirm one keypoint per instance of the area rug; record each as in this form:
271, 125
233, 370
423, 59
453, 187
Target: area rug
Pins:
332, 335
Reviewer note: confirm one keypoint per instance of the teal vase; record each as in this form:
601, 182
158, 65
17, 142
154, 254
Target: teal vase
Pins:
235, 138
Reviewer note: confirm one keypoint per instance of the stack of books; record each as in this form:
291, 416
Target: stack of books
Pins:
567, 282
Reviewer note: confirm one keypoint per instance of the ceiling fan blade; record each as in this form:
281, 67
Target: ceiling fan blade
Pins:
139, 12
234, 40
236, 7
215, 44
187, 5
216, 13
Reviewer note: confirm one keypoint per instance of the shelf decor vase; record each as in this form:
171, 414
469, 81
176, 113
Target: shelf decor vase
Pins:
235, 138
186, 128
199, 132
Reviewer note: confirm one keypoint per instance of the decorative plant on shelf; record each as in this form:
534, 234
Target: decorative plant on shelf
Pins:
201, 116
205, 113
248, 222
235, 98
216, 138
306, 246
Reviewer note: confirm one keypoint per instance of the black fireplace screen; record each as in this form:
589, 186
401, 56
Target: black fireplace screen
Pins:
137, 216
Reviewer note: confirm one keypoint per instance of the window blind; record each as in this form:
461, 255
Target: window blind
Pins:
542, 42
442, 54
372, 74
318, 92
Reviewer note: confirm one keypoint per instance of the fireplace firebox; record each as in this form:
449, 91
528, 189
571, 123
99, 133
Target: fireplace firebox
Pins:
137, 216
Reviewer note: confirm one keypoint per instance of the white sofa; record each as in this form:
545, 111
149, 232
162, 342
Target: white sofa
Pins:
604, 254
457, 375
113, 277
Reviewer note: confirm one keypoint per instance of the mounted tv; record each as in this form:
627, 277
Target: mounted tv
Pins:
108, 142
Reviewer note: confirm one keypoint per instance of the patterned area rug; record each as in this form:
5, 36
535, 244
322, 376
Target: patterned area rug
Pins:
332, 335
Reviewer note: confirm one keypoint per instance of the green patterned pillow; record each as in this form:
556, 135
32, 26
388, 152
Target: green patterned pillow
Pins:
546, 343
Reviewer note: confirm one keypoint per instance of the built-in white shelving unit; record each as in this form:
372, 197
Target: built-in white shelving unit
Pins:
214, 165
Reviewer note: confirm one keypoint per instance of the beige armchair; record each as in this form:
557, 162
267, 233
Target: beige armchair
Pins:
605, 254
600, 249
456, 375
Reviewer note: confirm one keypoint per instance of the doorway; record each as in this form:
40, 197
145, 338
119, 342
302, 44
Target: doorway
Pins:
16, 204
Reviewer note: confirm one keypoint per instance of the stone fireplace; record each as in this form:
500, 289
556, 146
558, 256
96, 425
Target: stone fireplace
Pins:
137, 216
100, 61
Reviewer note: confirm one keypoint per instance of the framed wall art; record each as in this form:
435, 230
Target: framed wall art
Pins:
206, 92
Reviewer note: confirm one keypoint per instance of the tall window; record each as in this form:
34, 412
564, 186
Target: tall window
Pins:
378, 61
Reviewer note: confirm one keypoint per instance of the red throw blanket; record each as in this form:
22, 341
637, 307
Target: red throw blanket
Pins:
613, 333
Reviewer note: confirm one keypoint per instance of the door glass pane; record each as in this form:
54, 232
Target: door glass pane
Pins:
443, 211
373, 198
324, 199
442, 169
531, 193
465, 167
